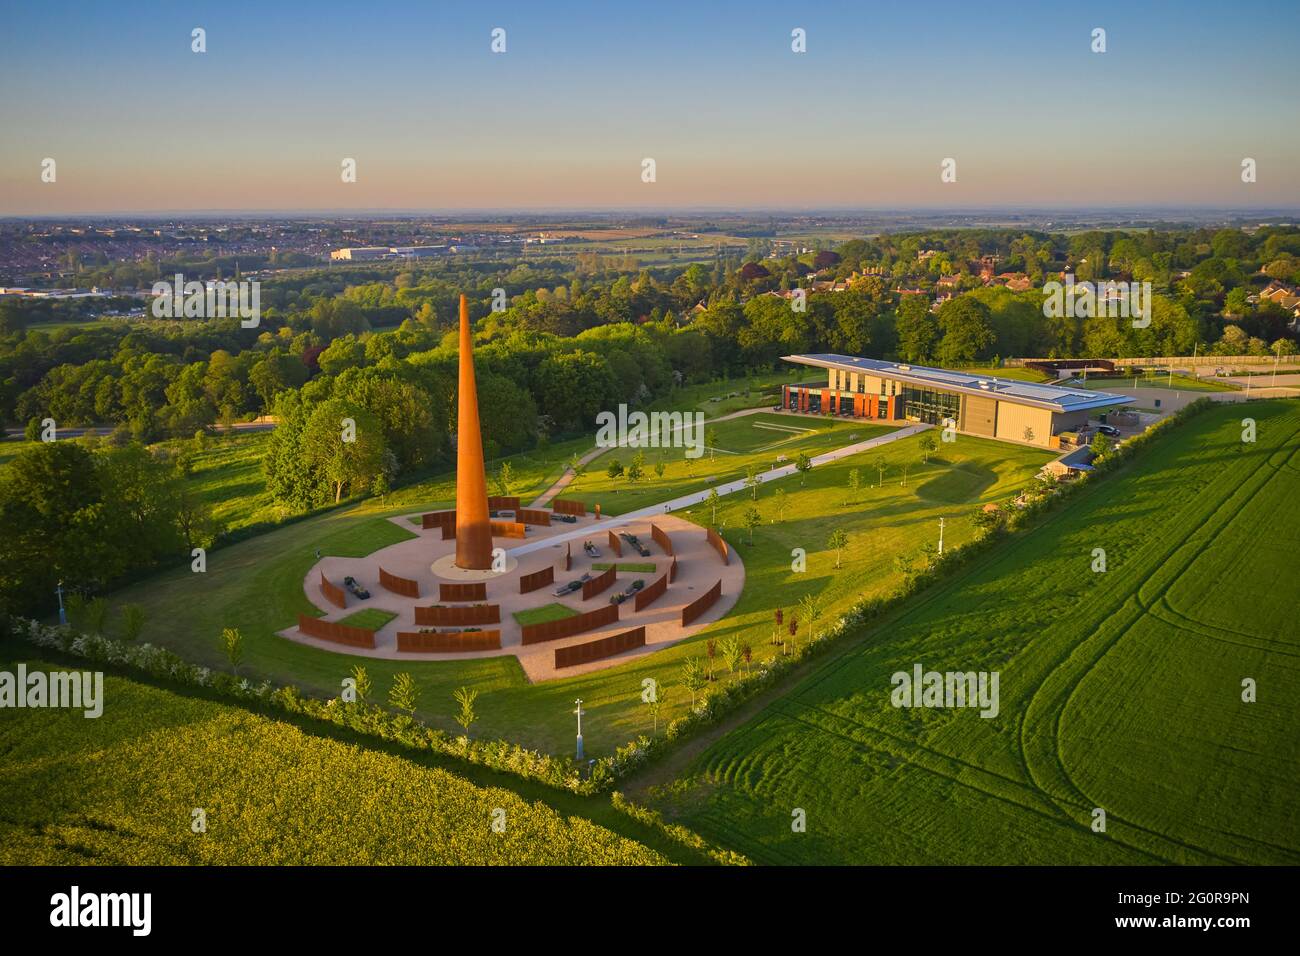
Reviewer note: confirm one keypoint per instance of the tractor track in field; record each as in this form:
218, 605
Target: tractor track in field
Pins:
1162, 610
1043, 807
1135, 607
1039, 773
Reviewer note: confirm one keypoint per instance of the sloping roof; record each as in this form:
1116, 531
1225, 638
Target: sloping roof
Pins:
1055, 397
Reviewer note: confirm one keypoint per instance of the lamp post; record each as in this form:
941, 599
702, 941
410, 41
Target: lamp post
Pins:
941, 536
63, 615
579, 712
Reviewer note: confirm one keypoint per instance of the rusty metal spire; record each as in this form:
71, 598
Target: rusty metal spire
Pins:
473, 529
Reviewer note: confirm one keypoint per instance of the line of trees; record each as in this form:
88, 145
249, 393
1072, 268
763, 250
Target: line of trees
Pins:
85, 513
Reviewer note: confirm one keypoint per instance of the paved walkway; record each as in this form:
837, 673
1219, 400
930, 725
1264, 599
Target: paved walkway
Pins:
686, 501
698, 568
1172, 399
544, 499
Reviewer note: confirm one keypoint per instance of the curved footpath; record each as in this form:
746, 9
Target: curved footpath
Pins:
686, 501
544, 499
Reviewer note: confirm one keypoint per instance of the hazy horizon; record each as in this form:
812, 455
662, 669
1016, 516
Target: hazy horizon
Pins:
615, 211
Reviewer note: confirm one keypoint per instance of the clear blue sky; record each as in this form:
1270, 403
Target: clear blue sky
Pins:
585, 91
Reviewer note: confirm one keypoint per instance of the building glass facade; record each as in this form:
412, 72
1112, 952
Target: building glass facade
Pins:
930, 406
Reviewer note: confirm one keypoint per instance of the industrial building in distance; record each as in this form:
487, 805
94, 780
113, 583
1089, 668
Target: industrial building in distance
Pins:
369, 253
978, 404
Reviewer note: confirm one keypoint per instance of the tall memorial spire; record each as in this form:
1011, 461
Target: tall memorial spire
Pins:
473, 529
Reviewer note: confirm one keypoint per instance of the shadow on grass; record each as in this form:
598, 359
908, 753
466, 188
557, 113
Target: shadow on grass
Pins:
960, 484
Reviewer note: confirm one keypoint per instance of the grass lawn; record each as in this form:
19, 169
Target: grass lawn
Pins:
121, 789
11, 448
540, 615
76, 324
1016, 373
728, 395
1119, 690
533, 472
1184, 383
256, 585
371, 618
752, 440
629, 568
228, 475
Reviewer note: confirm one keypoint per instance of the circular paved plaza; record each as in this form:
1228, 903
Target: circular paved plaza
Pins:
699, 567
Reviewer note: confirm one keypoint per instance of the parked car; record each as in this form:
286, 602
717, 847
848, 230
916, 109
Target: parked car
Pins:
357, 590
572, 586
591, 550
1110, 431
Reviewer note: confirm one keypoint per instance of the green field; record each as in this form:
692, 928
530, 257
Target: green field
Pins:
723, 397
256, 585
122, 789
756, 440
1184, 383
371, 618
1119, 690
228, 475
541, 615
1014, 373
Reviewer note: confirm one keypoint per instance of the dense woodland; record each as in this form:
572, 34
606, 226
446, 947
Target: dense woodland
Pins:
378, 346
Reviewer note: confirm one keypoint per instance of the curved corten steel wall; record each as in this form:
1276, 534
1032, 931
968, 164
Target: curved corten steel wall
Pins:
533, 516
564, 506
438, 519
333, 593
568, 626
449, 641
647, 596
338, 633
476, 591
404, 586
701, 604
503, 503
615, 544
473, 614
661, 538
672, 571
596, 650
538, 579
507, 529
599, 582
720, 546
